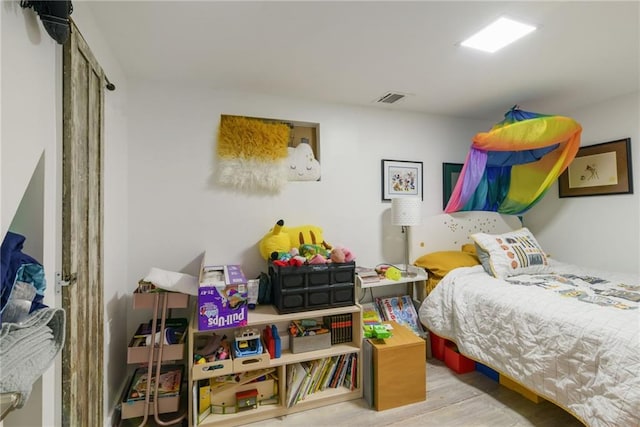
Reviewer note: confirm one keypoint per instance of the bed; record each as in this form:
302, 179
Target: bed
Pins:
567, 333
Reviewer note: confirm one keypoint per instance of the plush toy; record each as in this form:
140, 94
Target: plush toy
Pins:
309, 251
282, 239
317, 259
276, 240
337, 255
341, 254
306, 234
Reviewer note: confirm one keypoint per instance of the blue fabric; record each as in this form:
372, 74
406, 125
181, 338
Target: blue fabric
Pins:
510, 158
16, 265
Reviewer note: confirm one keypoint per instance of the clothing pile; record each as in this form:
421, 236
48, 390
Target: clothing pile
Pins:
31, 334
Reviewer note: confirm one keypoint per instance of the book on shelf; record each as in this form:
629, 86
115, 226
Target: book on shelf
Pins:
367, 274
402, 311
298, 375
371, 314
333, 363
168, 383
340, 326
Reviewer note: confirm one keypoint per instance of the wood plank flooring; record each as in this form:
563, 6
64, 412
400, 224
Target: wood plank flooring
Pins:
467, 400
452, 400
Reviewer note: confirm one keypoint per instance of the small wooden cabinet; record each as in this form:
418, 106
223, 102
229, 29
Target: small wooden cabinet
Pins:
399, 369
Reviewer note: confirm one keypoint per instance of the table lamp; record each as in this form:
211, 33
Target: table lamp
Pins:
405, 212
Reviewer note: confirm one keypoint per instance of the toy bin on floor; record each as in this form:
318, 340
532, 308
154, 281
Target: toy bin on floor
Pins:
512, 385
437, 346
455, 361
484, 369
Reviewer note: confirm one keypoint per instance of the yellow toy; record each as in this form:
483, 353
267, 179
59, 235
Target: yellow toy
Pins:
282, 239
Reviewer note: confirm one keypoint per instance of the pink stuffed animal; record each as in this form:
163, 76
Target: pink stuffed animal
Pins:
341, 254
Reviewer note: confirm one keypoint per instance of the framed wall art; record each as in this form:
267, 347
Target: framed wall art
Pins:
450, 175
599, 169
401, 178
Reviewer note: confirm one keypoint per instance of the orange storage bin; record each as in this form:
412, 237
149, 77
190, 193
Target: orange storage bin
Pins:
455, 361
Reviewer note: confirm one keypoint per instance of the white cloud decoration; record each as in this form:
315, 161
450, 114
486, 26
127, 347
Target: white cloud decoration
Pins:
303, 165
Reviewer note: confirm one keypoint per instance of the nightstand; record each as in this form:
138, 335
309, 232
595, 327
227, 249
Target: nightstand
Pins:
416, 292
399, 369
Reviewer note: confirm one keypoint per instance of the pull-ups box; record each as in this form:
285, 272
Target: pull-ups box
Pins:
222, 297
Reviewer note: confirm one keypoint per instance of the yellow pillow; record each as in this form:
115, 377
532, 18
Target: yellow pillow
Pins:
469, 248
440, 263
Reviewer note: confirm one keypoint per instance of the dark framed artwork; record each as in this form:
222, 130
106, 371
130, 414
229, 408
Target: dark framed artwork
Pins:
450, 175
401, 178
598, 170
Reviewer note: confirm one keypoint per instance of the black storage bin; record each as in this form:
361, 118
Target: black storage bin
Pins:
312, 287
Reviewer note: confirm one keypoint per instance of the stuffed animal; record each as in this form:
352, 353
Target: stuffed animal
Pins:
276, 240
282, 239
341, 254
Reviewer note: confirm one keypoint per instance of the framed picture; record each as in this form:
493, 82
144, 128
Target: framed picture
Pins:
450, 174
599, 169
401, 178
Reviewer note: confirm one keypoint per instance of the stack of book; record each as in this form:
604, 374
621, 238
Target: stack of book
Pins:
340, 326
400, 310
306, 378
168, 383
367, 275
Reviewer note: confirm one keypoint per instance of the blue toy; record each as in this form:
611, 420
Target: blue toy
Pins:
247, 343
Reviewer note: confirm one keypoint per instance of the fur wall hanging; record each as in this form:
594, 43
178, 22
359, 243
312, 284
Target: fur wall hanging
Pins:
252, 154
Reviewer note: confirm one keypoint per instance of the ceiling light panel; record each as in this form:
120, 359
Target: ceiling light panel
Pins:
497, 35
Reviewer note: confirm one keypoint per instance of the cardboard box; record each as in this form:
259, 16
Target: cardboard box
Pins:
222, 297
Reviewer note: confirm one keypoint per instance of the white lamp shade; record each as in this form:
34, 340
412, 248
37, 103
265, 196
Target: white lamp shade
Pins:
405, 211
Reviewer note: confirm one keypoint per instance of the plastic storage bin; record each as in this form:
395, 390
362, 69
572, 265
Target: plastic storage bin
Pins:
312, 287
437, 346
455, 361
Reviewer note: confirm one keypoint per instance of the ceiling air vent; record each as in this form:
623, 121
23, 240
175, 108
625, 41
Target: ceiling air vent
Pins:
390, 98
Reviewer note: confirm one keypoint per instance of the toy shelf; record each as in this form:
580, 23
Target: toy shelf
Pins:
267, 315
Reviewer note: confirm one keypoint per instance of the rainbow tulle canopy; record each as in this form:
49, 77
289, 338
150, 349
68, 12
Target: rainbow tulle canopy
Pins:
509, 168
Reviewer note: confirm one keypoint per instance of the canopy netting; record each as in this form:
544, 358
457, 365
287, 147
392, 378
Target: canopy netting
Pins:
509, 168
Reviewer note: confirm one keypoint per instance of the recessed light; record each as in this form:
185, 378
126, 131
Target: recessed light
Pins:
497, 35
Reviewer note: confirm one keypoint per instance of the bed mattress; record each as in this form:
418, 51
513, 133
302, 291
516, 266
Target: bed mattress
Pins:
572, 335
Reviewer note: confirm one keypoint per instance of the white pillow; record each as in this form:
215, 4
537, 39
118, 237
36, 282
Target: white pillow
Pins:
510, 254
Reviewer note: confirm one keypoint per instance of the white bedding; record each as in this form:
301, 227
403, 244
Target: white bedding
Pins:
572, 341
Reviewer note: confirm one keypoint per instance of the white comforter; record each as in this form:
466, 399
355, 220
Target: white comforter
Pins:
574, 341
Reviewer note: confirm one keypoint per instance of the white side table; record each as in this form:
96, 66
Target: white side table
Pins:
420, 278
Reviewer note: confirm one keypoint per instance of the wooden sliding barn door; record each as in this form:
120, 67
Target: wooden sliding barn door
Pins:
82, 356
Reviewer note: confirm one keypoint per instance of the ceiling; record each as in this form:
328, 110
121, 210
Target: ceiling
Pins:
355, 52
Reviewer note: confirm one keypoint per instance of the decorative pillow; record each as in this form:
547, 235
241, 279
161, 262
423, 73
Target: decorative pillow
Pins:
510, 254
469, 248
440, 263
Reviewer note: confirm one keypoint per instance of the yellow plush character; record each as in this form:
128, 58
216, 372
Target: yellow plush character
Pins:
307, 235
282, 239
276, 240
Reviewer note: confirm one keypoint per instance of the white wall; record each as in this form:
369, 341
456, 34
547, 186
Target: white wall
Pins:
598, 231
177, 211
31, 133
30, 154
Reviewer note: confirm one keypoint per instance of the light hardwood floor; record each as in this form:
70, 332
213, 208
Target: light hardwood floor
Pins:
467, 400
470, 399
